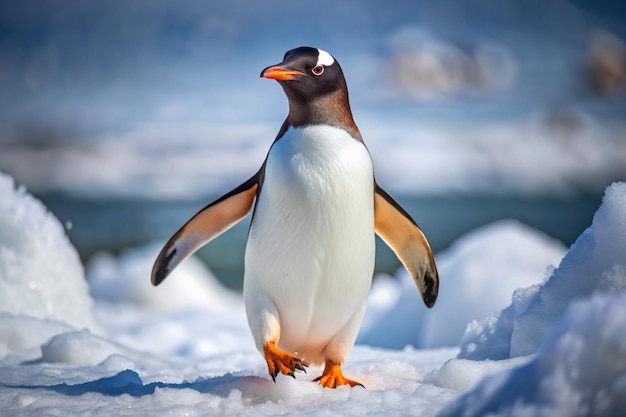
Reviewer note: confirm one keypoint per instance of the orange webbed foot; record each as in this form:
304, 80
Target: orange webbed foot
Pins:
332, 377
283, 362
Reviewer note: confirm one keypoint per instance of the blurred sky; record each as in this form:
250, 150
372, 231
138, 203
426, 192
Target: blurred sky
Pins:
141, 97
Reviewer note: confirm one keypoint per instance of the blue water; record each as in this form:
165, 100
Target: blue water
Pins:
112, 225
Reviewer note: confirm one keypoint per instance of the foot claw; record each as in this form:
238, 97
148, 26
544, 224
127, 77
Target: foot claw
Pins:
333, 377
279, 361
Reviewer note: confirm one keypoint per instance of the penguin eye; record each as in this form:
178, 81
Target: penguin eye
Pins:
318, 70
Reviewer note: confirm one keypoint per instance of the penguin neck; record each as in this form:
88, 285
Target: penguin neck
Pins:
330, 109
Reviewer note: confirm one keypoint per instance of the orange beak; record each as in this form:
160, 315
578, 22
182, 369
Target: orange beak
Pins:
279, 73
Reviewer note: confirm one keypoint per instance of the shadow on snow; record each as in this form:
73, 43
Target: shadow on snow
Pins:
129, 382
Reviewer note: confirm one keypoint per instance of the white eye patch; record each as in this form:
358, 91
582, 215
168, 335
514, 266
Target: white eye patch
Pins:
324, 58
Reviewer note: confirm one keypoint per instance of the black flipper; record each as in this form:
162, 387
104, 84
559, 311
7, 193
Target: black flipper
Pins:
207, 224
400, 232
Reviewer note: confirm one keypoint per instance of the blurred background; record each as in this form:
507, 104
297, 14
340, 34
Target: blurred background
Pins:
126, 117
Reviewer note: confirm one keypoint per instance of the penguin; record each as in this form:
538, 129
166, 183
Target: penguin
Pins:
309, 257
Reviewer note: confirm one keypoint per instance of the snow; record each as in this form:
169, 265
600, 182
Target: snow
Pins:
596, 262
129, 349
192, 285
573, 326
578, 370
40, 272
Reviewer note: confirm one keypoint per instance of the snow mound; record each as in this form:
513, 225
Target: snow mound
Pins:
578, 371
40, 272
478, 274
465, 374
78, 348
127, 279
190, 314
25, 334
481, 270
595, 263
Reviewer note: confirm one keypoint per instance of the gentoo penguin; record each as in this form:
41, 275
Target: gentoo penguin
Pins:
309, 257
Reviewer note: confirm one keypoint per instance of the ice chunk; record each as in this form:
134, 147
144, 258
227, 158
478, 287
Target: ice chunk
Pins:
40, 272
595, 263
579, 369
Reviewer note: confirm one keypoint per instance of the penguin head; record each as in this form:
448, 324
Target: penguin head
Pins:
307, 73
315, 87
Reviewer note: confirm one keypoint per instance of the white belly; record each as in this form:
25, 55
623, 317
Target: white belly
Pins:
310, 252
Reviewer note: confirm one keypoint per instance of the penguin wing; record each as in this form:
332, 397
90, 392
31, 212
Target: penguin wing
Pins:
207, 224
400, 232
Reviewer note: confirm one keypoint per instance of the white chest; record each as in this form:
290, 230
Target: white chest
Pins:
320, 161
318, 184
